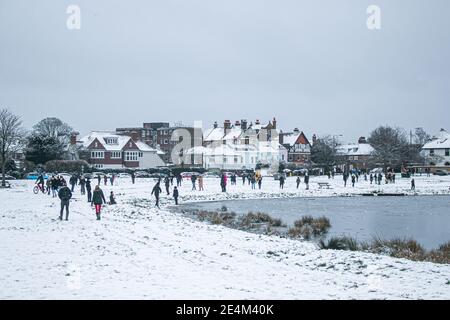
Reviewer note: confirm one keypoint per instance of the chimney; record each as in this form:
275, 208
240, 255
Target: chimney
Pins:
73, 138
244, 124
237, 123
314, 138
296, 131
362, 140
274, 122
215, 125
226, 126
134, 136
257, 122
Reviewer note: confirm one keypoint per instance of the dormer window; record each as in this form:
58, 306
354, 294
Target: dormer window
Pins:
112, 140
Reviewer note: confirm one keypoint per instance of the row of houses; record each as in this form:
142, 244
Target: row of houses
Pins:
238, 145
233, 146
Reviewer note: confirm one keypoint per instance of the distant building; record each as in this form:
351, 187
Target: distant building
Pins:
147, 133
437, 151
241, 146
298, 147
108, 150
355, 156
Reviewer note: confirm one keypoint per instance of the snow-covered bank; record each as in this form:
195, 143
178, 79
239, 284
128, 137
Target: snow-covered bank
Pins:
137, 251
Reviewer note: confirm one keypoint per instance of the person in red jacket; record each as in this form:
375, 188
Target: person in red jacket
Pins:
98, 199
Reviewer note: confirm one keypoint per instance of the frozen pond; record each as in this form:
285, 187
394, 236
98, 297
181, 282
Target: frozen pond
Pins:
423, 218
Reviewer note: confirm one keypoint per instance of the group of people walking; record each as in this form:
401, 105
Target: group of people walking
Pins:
57, 186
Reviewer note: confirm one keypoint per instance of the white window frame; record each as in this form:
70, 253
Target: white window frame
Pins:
131, 156
97, 154
116, 155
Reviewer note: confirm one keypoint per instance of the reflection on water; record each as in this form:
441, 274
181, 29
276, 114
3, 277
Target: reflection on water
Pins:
424, 218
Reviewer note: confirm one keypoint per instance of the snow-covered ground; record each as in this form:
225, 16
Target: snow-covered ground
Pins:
139, 252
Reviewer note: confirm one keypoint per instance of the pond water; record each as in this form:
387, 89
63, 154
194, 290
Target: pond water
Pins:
423, 218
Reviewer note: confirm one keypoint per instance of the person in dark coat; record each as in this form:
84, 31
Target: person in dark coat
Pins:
259, 182
298, 182
98, 199
105, 179
88, 189
156, 191
243, 179
175, 195
193, 179
73, 182
307, 181
371, 178
65, 194
413, 184
281, 182
112, 198
133, 177
83, 185
99, 178
353, 180
345, 177
167, 185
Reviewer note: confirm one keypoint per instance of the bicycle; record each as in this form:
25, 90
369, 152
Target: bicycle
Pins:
37, 189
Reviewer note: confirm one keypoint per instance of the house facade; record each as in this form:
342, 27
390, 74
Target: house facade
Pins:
108, 150
298, 147
437, 151
355, 156
241, 146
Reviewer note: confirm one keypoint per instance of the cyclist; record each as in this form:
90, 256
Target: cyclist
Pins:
40, 183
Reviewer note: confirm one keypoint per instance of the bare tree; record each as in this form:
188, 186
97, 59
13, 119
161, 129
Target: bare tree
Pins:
53, 128
11, 137
391, 146
421, 137
323, 152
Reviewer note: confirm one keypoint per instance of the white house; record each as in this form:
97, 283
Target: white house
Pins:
107, 150
240, 146
437, 151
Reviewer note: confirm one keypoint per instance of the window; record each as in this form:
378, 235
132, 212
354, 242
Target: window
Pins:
235, 159
431, 152
141, 154
112, 140
131, 156
224, 159
116, 155
98, 166
447, 152
166, 141
97, 155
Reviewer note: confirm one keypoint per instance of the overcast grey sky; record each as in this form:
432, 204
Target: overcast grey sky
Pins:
313, 63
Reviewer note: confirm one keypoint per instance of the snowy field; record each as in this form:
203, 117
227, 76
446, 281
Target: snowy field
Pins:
139, 252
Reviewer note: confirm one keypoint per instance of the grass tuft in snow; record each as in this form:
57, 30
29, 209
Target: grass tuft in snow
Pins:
340, 243
308, 227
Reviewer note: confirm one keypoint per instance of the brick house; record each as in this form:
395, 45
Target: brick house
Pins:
355, 156
298, 147
108, 150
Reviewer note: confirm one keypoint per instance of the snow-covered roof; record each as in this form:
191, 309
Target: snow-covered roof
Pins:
361, 149
232, 134
113, 142
214, 134
291, 139
440, 141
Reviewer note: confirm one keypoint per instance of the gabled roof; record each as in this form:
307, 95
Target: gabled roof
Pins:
292, 138
214, 134
102, 137
233, 133
440, 141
